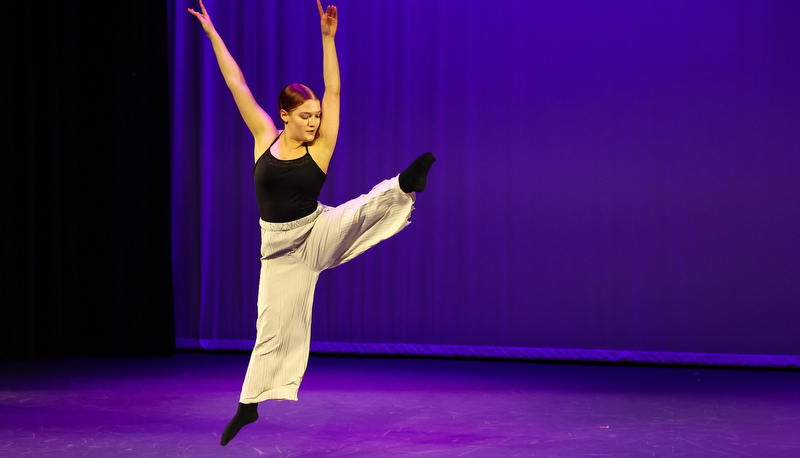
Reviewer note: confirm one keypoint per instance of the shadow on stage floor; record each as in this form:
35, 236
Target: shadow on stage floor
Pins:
375, 407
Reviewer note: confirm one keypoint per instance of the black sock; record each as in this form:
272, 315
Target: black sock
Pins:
245, 414
414, 178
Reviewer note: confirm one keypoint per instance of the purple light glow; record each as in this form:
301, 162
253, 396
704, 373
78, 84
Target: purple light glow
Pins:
614, 176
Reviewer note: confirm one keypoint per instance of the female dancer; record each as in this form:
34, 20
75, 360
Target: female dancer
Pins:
299, 236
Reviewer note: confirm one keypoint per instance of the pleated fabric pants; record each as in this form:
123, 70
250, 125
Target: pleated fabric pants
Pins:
292, 256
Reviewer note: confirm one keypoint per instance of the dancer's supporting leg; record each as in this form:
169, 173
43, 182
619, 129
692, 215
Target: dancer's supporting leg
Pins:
245, 414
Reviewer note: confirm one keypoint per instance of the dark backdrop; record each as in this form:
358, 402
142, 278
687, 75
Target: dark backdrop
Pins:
614, 177
85, 242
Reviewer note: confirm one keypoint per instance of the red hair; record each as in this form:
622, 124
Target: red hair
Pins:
294, 95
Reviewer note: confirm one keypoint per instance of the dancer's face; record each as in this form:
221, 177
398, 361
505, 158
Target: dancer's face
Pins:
303, 121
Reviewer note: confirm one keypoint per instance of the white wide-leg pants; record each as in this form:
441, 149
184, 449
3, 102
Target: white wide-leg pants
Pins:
292, 256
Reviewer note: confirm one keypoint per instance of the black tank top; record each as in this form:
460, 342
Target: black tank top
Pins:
287, 190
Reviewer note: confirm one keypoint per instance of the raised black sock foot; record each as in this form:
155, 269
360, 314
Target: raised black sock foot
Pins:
245, 414
415, 177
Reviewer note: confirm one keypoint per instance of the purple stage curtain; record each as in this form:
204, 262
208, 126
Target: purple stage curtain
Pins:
613, 176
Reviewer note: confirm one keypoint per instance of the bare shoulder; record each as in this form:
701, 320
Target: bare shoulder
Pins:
262, 142
321, 152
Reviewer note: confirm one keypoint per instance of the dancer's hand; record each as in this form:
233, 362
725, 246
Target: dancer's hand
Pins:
328, 20
204, 18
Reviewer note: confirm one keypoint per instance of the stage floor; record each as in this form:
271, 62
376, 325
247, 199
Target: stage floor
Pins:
377, 407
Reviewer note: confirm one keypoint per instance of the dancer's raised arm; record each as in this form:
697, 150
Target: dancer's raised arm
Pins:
329, 124
257, 120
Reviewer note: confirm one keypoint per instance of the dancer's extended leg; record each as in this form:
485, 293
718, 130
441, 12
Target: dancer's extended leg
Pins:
414, 178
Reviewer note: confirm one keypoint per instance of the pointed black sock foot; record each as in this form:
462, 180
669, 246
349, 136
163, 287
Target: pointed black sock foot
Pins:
245, 415
415, 177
